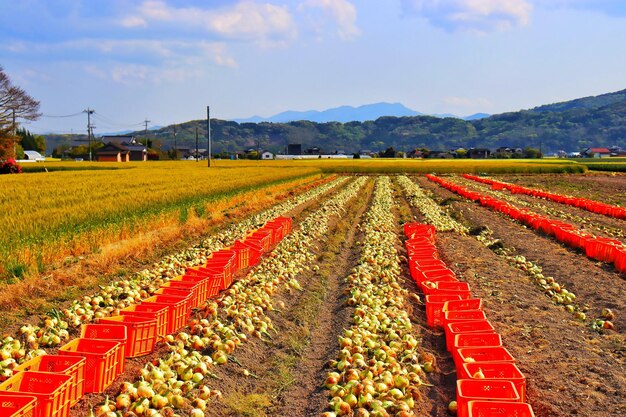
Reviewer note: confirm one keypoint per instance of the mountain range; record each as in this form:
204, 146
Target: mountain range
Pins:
598, 121
344, 114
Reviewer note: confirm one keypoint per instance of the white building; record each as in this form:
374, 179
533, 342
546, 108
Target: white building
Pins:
33, 156
267, 155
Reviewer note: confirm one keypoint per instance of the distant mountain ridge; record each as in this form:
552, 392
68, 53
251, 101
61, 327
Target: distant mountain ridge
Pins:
345, 114
598, 121
590, 102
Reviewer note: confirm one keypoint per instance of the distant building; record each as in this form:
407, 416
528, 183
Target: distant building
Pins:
113, 152
136, 150
596, 153
33, 156
294, 149
478, 153
314, 150
267, 155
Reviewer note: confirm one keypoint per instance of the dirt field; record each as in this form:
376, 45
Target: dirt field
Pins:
571, 369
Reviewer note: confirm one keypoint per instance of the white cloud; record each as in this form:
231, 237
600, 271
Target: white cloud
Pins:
133, 22
476, 16
264, 23
341, 11
467, 103
135, 60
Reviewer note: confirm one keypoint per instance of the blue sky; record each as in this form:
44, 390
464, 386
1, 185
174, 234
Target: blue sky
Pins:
165, 60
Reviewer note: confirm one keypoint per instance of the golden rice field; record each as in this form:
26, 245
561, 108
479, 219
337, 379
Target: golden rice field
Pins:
75, 208
46, 215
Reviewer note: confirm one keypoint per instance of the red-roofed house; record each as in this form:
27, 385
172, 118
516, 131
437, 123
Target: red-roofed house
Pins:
596, 153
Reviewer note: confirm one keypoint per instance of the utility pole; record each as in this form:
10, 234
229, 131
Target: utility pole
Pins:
145, 132
175, 148
89, 128
208, 129
14, 135
196, 143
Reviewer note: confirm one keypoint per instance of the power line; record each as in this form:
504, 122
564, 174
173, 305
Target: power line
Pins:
111, 122
65, 115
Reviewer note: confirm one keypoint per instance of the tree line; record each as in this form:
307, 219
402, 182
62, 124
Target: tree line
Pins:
16, 104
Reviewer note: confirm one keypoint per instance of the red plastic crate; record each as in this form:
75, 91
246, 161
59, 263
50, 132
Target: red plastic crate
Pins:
499, 409
180, 292
287, 223
474, 340
450, 316
194, 287
418, 229
481, 355
276, 229
220, 273
451, 287
203, 285
73, 366
101, 367
227, 257
483, 390
434, 305
429, 263
17, 406
435, 275
50, 389
178, 310
115, 332
263, 237
496, 370
464, 305
256, 250
149, 311
141, 333
468, 326
243, 254
215, 286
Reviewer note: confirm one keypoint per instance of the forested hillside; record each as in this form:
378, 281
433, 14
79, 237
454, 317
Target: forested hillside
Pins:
570, 126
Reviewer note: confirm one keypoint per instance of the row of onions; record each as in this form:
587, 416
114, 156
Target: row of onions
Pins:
556, 291
431, 211
54, 328
177, 383
549, 286
586, 222
379, 370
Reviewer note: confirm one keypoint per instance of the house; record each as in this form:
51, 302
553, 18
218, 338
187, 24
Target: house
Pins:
596, 153
113, 152
478, 153
267, 155
415, 153
137, 151
313, 151
441, 154
183, 151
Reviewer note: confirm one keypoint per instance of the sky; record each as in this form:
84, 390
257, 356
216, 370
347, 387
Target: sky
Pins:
166, 60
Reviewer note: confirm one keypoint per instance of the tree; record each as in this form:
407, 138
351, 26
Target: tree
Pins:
31, 142
388, 153
15, 103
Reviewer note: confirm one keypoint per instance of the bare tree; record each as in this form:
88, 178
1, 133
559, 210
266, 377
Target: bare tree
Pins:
15, 103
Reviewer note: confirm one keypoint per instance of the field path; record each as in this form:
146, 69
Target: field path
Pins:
307, 396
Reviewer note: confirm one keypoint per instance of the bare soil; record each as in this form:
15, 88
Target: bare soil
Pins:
595, 223
570, 368
290, 368
133, 366
606, 187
